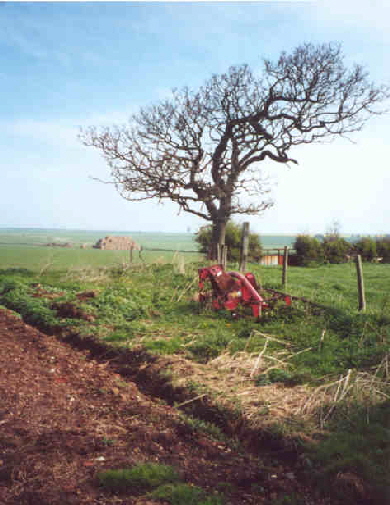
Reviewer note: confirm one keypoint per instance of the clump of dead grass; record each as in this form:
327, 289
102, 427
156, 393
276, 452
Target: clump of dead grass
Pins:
365, 388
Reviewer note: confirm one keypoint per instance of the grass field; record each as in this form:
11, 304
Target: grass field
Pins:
39, 258
151, 240
335, 360
25, 248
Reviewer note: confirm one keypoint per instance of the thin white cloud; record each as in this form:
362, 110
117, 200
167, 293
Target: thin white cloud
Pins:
45, 37
373, 15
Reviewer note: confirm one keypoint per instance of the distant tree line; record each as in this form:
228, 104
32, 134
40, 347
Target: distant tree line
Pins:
332, 248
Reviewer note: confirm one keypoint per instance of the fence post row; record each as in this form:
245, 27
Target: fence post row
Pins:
244, 246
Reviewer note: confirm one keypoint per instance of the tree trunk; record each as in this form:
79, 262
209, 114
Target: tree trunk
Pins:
217, 237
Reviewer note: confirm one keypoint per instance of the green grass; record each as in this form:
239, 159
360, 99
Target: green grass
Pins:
38, 258
140, 478
162, 482
151, 306
333, 285
40, 236
358, 444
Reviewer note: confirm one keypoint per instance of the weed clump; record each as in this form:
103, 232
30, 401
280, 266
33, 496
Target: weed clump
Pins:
143, 477
162, 482
16, 295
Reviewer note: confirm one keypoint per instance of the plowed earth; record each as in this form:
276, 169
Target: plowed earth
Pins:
64, 417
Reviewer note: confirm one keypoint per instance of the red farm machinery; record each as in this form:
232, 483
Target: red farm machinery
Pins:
233, 291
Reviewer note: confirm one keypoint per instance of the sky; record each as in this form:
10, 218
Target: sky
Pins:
75, 64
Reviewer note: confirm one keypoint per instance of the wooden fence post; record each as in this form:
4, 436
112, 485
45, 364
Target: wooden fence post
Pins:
131, 254
244, 246
361, 295
285, 264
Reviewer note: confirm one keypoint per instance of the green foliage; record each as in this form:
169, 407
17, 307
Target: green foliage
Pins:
366, 247
122, 302
383, 249
140, 478
336, 249
16, 295
184, 494
232, 241
162, 482
200, 426
308, 250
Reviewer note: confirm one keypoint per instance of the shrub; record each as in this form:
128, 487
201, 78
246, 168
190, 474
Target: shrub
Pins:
383, 249
309, 250
232, 241
366, 247
336, 249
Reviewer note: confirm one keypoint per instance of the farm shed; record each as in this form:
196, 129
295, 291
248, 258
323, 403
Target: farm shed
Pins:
271, 259
275, 257
111, 243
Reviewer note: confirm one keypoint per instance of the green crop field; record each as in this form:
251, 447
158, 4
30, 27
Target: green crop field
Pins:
57, 258
312, 351
25, 248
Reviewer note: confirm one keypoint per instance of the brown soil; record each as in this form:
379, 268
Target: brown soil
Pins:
64, 417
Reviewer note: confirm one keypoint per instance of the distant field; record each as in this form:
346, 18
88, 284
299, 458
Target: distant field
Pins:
57, 258
39, 237
25, 248
176, 241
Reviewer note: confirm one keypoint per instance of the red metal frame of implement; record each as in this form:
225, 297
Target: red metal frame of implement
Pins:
231, 289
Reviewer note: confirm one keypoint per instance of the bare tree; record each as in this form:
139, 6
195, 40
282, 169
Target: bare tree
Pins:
202, 149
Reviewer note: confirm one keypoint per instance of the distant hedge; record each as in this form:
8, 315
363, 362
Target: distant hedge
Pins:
335, 249
383, 249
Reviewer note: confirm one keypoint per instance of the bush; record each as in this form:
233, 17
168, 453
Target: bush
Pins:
383, 249
366, 247
232, 241
309, 250
336, 249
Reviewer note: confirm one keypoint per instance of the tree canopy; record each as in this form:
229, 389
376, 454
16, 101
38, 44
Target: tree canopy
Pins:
203, 149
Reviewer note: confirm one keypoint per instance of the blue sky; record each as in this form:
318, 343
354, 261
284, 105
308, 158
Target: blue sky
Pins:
66, 65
